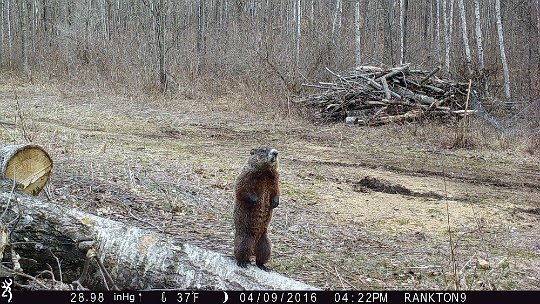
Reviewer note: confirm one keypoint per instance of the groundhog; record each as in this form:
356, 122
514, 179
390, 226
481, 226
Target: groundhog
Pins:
257, 194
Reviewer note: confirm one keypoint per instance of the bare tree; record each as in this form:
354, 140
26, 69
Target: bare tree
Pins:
312, 11
358, 58
201, 32
24, 38
389, 47
157, 10
336, 23
34, 7
480, 48
10, 38
450, 29
506, 74
1, 31
403, 5
298, 31
438, 31
145, 41
538, 26
478, 31
104, 19
447, 36
466, 47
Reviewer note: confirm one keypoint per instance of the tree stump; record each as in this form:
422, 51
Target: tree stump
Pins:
28, 165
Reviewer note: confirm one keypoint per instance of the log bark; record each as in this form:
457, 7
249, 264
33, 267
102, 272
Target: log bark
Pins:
380, 87
398, 118
426, 78
395, 71
135, 258
387, 94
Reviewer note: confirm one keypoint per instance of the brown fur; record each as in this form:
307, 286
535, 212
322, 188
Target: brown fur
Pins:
257, 194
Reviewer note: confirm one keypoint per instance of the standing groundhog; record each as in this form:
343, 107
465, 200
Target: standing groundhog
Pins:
257, 194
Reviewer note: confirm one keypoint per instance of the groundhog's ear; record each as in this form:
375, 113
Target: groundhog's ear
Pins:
252, 152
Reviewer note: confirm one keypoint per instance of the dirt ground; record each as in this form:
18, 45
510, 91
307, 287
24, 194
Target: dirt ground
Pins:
361, 208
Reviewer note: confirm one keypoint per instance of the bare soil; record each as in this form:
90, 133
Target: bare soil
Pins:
361, 208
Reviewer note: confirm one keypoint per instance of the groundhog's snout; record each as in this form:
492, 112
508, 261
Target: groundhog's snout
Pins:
273, 155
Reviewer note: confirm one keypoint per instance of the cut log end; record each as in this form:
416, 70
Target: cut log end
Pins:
28, 165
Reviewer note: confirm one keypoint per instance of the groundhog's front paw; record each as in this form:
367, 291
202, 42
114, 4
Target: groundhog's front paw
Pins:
242, 264
275, 201
265, 268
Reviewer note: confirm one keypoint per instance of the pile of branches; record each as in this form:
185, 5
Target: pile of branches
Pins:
371, 95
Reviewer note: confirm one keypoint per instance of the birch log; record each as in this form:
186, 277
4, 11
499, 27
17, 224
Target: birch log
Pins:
135, 258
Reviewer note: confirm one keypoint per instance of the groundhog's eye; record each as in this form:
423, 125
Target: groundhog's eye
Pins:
252, 152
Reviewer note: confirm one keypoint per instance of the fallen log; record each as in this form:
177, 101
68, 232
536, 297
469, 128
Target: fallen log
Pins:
420, 98
381, 120
397, 118
44, 233
394, 72
433, 72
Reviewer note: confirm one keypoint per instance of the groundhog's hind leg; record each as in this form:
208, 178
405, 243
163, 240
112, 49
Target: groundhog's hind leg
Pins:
262, 252
243, 249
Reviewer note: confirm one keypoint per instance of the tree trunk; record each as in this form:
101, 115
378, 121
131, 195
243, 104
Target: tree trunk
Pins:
466, 47
336, 23
34, 26
506, 74
10, 38
448, 30
201, 47
161, 41
298, 33
1, 32
389, 48
135, 258
480, 48
24, 38
479, 40
538, 30
358, 58
446, 38
312, 12
438, 31
403, 5
104, 23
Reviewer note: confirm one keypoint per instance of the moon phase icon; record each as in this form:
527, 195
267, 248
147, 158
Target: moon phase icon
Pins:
226, 297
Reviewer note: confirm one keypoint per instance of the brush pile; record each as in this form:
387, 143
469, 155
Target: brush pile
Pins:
371, 95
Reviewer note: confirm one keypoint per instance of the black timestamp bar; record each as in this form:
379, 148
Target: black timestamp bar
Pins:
245, 297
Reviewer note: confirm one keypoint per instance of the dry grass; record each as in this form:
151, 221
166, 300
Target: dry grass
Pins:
169, 163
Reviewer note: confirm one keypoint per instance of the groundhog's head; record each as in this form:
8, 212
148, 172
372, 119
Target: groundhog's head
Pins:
263, 157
